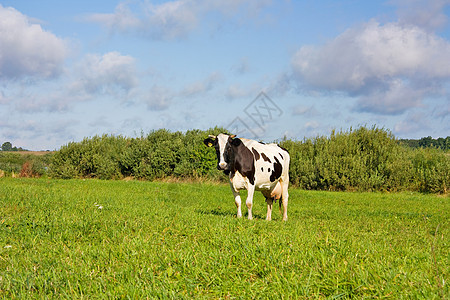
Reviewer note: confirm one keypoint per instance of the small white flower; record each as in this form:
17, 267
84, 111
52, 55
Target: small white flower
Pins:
8, 246
100, 207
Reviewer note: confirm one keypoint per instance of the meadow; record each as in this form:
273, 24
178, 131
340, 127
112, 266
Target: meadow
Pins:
96, 239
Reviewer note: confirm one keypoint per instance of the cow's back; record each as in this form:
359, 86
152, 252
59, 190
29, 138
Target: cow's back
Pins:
271, 163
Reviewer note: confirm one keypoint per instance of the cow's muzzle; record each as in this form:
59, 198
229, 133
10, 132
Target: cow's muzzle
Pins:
222, 166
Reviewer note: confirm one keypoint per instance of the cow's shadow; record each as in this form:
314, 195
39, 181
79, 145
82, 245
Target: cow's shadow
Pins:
215, 212
226, 213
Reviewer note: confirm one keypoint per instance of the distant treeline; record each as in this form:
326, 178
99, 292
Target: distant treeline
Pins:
427, 142
363, 159
7, 146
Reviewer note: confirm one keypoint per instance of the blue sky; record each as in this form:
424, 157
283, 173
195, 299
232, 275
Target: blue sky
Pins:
264, 69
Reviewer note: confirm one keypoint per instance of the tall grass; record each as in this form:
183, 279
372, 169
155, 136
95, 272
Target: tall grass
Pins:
114, 239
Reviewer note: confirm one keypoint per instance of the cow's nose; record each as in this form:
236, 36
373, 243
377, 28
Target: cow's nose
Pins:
222, 165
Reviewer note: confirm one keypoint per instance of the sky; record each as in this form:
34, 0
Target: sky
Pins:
263, 69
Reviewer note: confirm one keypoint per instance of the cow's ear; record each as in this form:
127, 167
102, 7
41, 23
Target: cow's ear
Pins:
236, 142
209, 142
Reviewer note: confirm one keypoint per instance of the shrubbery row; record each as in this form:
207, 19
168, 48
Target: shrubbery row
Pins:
366, 160
160, 154
363, 159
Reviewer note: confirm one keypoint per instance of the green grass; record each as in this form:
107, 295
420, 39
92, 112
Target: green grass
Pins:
172, 240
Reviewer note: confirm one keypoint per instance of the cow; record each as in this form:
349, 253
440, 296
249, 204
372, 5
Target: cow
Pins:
252, 165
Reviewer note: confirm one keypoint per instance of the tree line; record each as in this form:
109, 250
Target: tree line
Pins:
427, 142
7, 146
362, 159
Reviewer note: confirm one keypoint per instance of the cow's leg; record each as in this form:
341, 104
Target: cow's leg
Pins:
269, 202
237, 201
284, 198
249, 201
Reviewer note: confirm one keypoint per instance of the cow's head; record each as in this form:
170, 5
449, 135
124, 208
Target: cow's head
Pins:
224, 149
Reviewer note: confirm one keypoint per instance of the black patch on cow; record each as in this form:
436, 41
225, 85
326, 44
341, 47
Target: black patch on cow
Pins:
281, 156
262, 169
265, 158
277, 170
268, 170
243, 160
257, 156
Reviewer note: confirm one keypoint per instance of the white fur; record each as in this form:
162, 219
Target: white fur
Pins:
223, 139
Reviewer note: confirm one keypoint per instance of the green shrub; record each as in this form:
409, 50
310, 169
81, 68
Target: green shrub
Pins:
159, 154
10, 162
431, 170
365, 159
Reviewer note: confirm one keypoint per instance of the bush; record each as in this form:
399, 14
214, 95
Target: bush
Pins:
365, 160
97, 157
431, 170
158, 155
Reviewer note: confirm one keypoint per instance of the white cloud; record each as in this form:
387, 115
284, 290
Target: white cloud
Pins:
201, 87
242, 67
442, 112
166, 20
427, 14
111, 74
395, 98
26, 49
158, 98
35, 134
121, 20
413, 124
107, 73
236, 91
32, 103
302, 110
172, 19
386, 66
311, 125
3, 98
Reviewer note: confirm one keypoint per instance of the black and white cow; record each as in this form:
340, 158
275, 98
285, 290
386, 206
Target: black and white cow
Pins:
252, 165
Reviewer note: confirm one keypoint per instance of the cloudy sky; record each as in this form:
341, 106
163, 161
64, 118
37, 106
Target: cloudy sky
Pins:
264, 69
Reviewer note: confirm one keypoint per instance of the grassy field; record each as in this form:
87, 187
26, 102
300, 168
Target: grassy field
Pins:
116, 239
